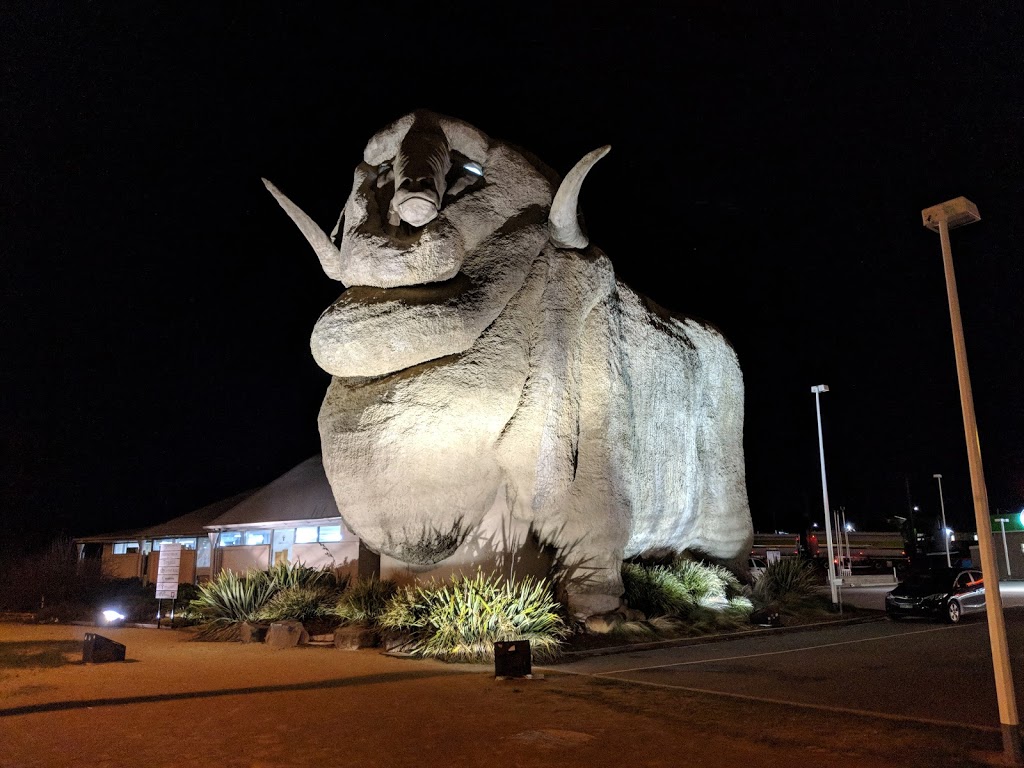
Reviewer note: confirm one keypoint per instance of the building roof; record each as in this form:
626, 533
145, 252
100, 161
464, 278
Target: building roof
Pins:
301, 494
194, 523
129, 534
190, 524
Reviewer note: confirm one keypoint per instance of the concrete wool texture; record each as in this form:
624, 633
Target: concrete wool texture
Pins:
476, 366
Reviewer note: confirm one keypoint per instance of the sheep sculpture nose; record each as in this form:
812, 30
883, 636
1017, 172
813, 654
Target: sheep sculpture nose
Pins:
417, 201
421, 165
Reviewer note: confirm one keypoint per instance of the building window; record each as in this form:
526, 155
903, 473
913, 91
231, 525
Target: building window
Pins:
240, 538
310, 534
126, 547
203, 554
330, 533
186, 543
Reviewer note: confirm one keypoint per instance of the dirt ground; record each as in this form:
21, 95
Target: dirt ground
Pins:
176, 702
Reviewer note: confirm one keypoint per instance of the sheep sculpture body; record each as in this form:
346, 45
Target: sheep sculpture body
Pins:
484, 354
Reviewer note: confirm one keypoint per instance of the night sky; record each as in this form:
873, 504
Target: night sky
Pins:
767, 173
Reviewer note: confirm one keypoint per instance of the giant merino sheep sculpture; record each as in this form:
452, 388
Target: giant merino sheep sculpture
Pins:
484, 355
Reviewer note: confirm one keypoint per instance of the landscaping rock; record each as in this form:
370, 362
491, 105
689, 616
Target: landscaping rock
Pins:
287, 634
603, 623
354, 637
631, 614
395, 641
253, 633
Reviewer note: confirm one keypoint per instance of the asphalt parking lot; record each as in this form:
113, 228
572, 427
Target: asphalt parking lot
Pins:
873, 597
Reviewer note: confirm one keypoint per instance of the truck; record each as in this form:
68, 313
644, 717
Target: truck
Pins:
877, 550
786, 544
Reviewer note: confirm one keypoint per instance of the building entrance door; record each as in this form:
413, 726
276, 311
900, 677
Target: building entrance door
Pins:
283, 541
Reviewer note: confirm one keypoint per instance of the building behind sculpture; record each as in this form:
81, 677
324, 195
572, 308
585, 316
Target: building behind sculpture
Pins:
293, 519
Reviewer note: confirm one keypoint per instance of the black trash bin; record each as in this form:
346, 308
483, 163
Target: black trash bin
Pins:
512, 658
98, 649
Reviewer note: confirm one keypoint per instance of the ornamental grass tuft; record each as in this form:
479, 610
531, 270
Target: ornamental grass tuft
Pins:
286, 575
700, 593
788, 581
301, 603
655, 590
463, 619
365, 600
227, 600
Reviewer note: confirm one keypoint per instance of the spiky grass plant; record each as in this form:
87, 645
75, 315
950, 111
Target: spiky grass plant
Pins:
301, 603
701, 593
461, 620
229, 599
706, 582
365, 600
655, 590
789, 580
286, 575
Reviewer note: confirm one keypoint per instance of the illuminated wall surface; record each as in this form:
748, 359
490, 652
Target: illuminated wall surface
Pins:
492, 376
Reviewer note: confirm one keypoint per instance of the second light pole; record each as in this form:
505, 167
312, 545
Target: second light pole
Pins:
945, 530
817, 390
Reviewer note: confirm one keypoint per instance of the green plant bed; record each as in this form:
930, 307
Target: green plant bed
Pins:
463, 619
287, 591
694, 592
365, 600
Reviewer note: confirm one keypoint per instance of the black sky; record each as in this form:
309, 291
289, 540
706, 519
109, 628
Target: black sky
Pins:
767, 174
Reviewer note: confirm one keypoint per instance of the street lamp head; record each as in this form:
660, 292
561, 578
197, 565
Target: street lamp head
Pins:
819, 388
956, 213
937, 476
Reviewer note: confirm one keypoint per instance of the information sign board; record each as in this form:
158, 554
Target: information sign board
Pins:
167, 572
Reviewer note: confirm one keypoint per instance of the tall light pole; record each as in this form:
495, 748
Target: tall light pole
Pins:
1006, 550
817, 390
941, 218
945, 530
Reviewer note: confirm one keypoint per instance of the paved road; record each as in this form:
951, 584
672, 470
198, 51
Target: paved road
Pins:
914, 670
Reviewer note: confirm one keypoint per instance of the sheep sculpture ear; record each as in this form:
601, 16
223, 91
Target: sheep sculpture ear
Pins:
563, 221
329, 255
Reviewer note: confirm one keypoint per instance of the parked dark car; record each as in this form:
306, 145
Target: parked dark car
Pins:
947, 593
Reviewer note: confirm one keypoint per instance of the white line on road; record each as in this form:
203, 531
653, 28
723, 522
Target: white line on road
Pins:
776, 653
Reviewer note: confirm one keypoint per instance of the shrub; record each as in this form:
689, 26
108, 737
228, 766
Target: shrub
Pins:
461, 620
786, 581
39, 580
701, 593
365, 600
706, 582
302, 603
285, 575
229, 598
287, 591
655, 590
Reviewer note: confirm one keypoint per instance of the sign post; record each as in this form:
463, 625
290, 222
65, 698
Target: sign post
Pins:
167, 578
